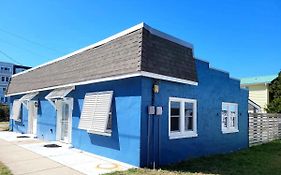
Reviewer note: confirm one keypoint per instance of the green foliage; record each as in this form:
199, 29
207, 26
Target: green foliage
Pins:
4, 170
4, 112
274, 105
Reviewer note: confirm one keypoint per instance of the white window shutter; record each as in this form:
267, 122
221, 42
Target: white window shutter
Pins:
16, 110
95, 112
87, 114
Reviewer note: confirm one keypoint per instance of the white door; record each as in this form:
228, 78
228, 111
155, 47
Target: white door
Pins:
64, 119
32, 114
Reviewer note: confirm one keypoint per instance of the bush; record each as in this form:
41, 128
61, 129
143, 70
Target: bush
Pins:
274, 105
4, 113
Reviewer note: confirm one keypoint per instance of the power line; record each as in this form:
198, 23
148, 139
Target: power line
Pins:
28, 40
9, 57
21, 47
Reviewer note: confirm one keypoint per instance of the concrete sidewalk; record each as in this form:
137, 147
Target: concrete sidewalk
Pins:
24, 154
22, 161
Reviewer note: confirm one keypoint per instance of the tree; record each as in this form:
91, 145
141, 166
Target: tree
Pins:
274, 105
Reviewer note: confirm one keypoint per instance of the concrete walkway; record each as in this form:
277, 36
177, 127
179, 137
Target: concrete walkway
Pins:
24, 154
21, 161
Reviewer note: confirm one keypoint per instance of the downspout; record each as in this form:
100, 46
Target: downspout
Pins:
151, 132
150, 129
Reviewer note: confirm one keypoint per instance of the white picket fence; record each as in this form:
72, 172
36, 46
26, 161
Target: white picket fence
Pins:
264, 128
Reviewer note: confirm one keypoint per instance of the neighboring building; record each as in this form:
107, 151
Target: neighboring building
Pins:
6, 71
139, 97
253, 107
258, 89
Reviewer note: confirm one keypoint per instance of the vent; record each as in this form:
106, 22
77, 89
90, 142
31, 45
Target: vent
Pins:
23, 137
52, 146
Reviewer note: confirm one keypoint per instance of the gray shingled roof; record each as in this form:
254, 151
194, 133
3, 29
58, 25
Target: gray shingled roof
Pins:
139, 50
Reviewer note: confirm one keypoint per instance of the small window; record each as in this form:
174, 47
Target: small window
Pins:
229, 116
182, 118
7, 79
3, 79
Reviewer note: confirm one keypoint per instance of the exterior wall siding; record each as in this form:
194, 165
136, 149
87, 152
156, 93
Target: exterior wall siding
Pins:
122, 145
259, 94
214, 88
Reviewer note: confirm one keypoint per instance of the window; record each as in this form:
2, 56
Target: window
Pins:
5, 70
96, 113
3, 79
229, 116
182, 118
7, 79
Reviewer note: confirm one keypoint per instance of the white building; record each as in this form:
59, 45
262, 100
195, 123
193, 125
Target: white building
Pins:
6, 71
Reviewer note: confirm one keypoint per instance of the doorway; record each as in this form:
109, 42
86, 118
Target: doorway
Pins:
64, 119
32, 117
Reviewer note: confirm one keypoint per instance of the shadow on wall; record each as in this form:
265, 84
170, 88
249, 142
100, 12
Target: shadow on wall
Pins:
108, 141
100, 140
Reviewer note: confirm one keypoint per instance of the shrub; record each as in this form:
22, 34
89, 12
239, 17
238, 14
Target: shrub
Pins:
4, 112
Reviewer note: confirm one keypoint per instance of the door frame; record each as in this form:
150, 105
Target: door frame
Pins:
31, 118
58, 104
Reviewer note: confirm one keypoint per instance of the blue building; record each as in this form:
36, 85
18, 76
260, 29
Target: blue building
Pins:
6, 71
139, 97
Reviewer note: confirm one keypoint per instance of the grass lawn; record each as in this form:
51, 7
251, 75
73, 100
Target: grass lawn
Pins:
259, 160
4, 170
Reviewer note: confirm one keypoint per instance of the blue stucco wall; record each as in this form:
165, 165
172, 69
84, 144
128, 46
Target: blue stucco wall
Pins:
18, 126
129, 140
122, 145
214, 88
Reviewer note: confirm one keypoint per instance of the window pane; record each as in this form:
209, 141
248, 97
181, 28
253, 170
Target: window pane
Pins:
109, 123
175, 124
233, 115
188, 124
175, 108
175, 116
232, 121
224, 114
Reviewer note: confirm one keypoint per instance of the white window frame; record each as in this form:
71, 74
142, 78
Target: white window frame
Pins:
229, 129
182, 133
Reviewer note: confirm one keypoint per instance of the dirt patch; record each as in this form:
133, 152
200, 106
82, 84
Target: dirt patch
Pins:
4, 126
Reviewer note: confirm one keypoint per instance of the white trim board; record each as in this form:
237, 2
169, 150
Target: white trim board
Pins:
141, 73
125, 32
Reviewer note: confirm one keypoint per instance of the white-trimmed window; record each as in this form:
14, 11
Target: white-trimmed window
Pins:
96, 115
182, 118
229, 117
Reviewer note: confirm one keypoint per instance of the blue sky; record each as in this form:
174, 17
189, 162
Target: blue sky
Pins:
238, 36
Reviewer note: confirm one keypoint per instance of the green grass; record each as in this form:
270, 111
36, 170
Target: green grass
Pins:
258, 160
4, 170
